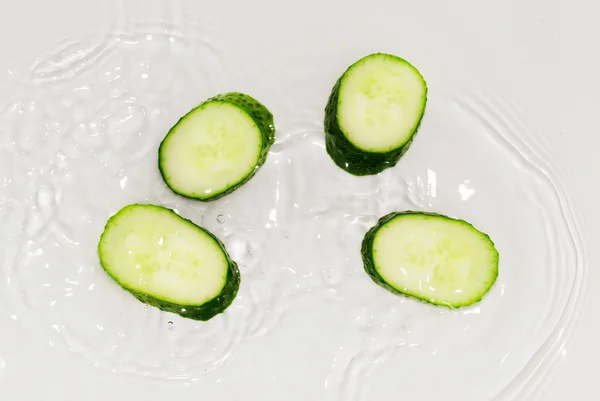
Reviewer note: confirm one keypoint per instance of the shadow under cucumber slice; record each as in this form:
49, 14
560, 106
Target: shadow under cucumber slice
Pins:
431, 257
373, 113
168, 262
216, 147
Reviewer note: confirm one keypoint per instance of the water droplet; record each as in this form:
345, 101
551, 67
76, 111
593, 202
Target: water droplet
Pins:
220, 219
45, 196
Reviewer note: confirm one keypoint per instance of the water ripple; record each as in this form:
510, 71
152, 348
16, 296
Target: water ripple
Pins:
80, 140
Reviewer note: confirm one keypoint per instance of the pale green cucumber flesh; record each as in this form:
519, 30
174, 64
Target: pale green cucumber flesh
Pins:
169, 262
216, 147
431, 257
373, 113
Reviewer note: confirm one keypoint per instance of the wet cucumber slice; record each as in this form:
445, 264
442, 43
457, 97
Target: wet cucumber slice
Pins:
431, 257
169, 262
217, 147
373, 113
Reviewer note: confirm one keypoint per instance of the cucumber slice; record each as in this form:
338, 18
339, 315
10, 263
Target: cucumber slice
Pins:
168, 262
373, 113
217, 147
431, 257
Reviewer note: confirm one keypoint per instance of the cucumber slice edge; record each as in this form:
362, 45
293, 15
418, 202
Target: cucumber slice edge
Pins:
343, 152
263, 122
373, 273
203, 312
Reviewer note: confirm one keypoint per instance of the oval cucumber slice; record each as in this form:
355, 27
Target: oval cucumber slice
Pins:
373, 113
217, 147
168, 262
431, 257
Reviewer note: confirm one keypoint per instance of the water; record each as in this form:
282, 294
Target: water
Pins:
82, 140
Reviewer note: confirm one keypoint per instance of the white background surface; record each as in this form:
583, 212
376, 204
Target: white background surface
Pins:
544, 53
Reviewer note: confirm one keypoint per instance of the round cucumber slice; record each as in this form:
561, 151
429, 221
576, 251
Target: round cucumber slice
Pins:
169, 262
431, 257
217, 147
373, 113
